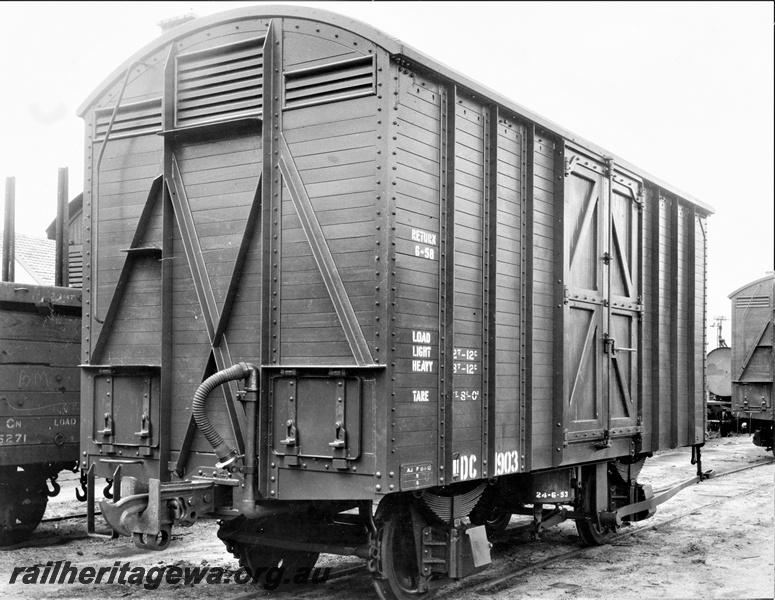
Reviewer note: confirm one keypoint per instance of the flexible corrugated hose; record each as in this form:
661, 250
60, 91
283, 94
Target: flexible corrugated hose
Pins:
224, 452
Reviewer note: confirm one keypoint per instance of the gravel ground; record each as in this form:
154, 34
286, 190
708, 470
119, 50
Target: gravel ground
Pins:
722, 546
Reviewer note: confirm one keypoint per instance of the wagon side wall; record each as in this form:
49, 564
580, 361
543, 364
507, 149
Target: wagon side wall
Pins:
391, 248
39, 375
753, 359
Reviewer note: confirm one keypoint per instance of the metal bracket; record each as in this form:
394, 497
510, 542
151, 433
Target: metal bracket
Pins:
605, 442
107, 403
107, 430
90, 512
614, 518
340, 441
609, 346
290, 440
339, 445
608, 343
569, 164
144, 427
148, 517
145, 421
544, 520
341, 434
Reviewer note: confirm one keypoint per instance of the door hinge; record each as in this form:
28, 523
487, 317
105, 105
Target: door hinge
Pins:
569, 160
605, 442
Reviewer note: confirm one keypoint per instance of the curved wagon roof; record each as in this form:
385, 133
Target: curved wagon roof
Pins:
751, 284
391, 45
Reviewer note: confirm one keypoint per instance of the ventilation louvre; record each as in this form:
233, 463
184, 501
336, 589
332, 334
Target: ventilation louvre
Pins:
328, 83
131, 119
753, 302
75, 267
219, 83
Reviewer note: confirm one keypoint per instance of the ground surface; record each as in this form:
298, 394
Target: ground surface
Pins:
721, 546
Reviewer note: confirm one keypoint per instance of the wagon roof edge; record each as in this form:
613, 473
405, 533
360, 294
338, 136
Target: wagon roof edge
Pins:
394, 47
768, 277
262, 11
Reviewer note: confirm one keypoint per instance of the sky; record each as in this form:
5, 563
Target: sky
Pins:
683, 90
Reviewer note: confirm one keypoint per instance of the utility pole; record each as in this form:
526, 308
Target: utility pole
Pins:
718, 323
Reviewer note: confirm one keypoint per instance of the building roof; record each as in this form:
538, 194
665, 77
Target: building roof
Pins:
35, 259
74, 208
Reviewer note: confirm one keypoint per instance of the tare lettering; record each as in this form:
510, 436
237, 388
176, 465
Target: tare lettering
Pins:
421, 395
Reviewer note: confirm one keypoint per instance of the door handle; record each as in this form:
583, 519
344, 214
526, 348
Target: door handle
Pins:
609, 341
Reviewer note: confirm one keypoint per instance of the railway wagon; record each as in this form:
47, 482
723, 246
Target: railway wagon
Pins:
719, 381
40, 347
325, 272
752, 360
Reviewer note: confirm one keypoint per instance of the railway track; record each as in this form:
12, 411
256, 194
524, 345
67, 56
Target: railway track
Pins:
495, 580
66, 517
511, 561
498, 577
42, 539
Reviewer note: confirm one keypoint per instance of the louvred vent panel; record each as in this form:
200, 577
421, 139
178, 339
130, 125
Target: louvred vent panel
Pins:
138, 118
220, 83
328, 83
753, 301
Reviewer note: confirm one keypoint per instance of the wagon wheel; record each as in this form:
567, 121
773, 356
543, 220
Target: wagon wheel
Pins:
590, 532
494, 518
23, 500
265, 562
399, 563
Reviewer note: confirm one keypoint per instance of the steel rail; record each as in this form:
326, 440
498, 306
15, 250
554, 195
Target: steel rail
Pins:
761, 463
579, 551
345, 572
484, 586
481, 587
66, 517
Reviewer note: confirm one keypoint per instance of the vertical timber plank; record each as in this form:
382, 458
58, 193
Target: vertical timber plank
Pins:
447, 280
673, 279
689, 272
529, 300
561, 309
167, 252
490, 288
